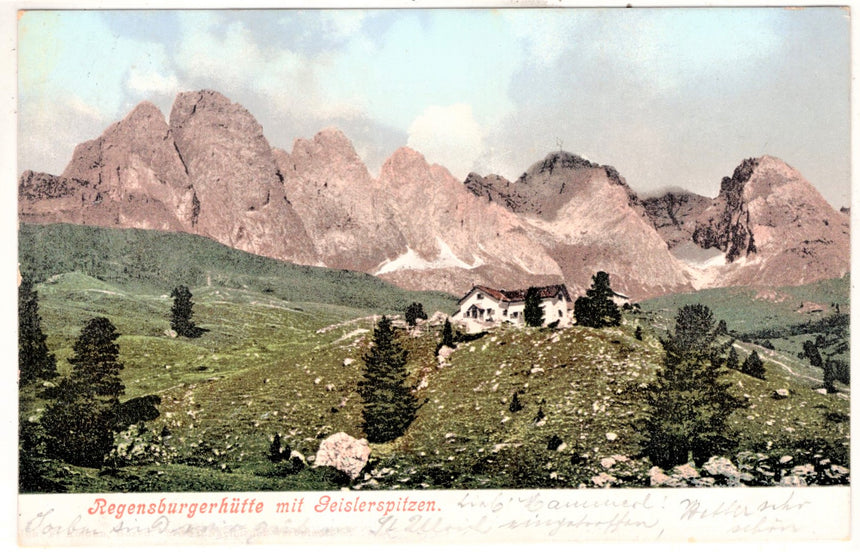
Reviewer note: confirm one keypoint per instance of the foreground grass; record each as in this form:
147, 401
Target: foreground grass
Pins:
268, 365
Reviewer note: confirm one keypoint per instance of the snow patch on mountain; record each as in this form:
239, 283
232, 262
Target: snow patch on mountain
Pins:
698, 257
411, 260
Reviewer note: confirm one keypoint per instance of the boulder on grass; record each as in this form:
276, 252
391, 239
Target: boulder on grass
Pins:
723, 470
343, 452
444, 353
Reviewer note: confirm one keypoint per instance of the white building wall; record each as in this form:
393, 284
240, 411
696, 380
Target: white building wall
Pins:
492, 310
496, 312
555, 309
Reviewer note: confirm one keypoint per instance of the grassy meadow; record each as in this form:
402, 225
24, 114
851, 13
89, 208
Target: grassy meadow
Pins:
282, 354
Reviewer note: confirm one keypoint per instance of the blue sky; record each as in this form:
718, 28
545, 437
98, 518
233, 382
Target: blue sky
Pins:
670, 97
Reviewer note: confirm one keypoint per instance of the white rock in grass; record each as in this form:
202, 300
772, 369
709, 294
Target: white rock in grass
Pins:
343, 452
837, 472
347, 361
792, 481
806, 470
686, 471
610, 436
298, 456
603, 480
444, 353
718, 465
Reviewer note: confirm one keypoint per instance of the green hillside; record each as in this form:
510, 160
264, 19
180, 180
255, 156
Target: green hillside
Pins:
275, 360
778, 320
149, 261
748, 310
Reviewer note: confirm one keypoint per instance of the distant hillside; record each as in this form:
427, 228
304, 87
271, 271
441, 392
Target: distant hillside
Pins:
748, 310
157, 261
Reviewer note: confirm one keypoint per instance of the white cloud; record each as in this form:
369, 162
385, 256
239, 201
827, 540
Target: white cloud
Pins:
47, 137
425, 58
236, 64
546, 33
678, 50
342, 24
151, 82
449, 136
75, 76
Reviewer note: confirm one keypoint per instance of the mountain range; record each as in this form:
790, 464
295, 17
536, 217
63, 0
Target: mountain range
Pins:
208, 169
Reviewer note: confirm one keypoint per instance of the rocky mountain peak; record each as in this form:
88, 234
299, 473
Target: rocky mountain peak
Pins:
560, 160
406, 156
329, 144
209, 170
239, 189
403, 167
497, 189
674, 214
333, 139
768, 212
188, 103
334, 195
563, 160
144, 112
726, 224
551, 183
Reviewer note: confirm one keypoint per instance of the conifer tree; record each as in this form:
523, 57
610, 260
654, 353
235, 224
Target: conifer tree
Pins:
533, 311
181, 313
830, 378
515, 405
389, 406
753, 366
414, 312
35, 362
277, 451
83, 411
597, 309
690, 401
732, 361
812, 354
447, 334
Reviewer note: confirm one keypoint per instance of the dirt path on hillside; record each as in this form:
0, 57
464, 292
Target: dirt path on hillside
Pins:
770, 356
372, 317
